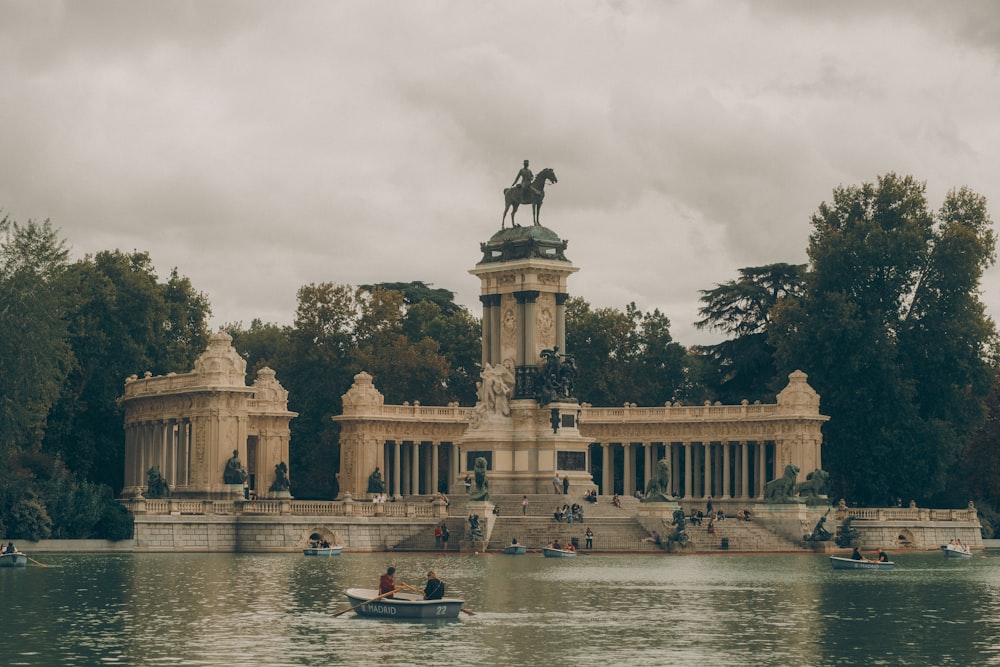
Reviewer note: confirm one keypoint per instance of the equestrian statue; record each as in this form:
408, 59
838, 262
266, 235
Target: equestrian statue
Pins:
526, 189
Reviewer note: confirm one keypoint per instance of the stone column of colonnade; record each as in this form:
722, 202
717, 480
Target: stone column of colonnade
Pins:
413, 467
159, 442
698, 469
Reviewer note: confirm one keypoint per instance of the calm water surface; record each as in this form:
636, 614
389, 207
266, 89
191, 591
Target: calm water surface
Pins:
229, 609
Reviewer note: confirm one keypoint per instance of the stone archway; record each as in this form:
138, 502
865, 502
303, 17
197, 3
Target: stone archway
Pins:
319, 535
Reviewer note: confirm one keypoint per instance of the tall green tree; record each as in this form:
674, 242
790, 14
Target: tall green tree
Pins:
123, 321
892, 334
742, 366
35, 355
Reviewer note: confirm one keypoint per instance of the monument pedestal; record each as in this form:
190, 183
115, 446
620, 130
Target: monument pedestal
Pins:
484, 510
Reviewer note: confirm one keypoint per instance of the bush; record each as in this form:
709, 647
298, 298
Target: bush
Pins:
28, 520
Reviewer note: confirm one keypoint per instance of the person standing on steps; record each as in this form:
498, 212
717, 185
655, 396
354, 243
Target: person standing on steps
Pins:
589, 535
524, 505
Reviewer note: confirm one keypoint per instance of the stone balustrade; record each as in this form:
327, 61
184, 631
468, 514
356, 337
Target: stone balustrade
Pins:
338, 508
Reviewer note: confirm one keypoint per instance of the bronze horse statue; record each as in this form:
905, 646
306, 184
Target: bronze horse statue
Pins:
515, 196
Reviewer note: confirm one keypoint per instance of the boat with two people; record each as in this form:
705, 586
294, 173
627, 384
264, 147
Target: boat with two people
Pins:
556, 550
324, 548
859, 562
955, 549
11, 557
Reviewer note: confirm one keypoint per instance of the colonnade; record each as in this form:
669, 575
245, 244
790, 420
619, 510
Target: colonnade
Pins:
163, 442
724, 470
415, 468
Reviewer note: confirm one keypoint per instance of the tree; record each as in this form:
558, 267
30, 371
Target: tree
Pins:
123, 322
743, 367
892, 334
35, 355
625, 356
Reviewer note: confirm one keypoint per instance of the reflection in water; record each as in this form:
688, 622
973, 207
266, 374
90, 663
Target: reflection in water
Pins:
223, 609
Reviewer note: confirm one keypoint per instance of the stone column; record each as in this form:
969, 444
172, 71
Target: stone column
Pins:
628, 472
725, 471
404, 472
396, 468
435, 454
607, 474
415, 469
744, 470
688, 470
647, 464
487, 301
761, 468
561, 298
707, 489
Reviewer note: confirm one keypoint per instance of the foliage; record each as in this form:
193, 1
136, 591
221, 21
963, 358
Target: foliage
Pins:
626, 356
34, 352
742, 367
123, 322
893, 335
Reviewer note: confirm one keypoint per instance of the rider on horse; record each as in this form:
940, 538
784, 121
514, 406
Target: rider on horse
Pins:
526, 177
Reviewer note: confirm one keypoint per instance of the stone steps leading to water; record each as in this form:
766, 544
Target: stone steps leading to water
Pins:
614, 528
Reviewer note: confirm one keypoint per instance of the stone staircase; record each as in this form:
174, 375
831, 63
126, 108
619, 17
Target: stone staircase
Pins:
616, 529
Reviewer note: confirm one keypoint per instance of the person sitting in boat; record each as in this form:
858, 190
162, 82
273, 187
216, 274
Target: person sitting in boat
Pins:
10, 548
434, 590
856, 555
387, 583
569, 547
513, 541
882, 556
555, 544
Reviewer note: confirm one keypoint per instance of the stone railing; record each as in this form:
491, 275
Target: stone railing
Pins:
676, 413
332, 508
907, 514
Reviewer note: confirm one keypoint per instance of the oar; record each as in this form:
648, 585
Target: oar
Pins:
344, 611
35, 561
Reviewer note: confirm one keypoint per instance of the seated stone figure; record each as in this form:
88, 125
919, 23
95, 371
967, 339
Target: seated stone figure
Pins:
235, 473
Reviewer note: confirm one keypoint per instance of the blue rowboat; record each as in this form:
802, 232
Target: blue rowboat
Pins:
956, 551
839, 563
323, 551
515, 550
549, 552
13, 559
402, 605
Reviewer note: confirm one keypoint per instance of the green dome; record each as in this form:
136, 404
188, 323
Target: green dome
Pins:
532, 241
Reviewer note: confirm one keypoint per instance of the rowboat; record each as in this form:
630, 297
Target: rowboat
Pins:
515, 550
839, 563
550, 552
402, 605
956, 551
13, 559
322, 551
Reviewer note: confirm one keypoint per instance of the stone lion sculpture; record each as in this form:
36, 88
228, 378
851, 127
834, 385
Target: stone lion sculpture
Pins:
782, 489
657, 491
482, 490
814, 486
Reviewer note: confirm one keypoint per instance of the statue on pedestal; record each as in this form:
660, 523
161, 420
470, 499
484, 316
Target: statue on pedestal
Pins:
235, 473
375, 483
281, 481
482, 491
156, 486
657, 489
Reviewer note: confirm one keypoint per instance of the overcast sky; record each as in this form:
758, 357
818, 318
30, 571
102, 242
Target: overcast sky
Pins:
261, 146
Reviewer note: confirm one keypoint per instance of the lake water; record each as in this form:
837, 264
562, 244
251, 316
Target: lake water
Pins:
257, 609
